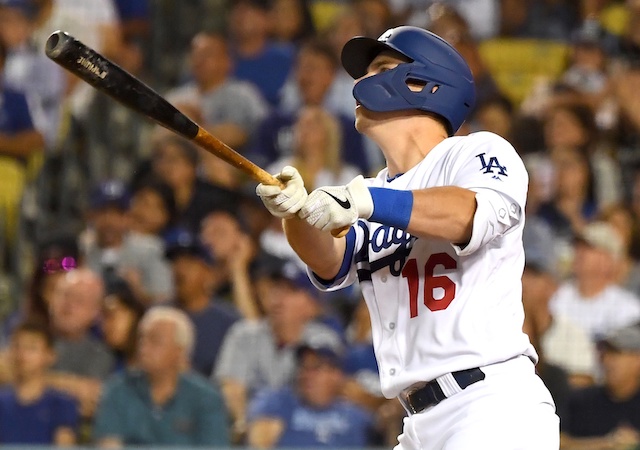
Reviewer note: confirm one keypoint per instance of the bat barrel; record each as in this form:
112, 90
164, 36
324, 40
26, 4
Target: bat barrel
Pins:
111, 79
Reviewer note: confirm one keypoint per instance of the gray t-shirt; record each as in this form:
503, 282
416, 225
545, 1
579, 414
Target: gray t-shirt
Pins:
142, 253
87, 357
234, 101
251, 356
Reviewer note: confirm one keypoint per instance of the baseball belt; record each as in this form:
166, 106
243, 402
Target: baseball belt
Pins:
430, 394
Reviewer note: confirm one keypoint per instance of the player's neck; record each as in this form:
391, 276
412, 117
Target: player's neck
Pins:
405, 147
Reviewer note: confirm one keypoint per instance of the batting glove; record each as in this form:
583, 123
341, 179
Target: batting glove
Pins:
284, 203
333, 207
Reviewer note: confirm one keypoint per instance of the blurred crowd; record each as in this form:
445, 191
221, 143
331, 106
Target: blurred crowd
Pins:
146, 295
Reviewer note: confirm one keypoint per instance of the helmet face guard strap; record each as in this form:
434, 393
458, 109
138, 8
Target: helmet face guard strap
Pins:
446, 80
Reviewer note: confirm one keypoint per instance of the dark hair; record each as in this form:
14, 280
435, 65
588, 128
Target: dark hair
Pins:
35, 327
187, 149
320, 47
164, 191
56, 255
121, 290
497, 100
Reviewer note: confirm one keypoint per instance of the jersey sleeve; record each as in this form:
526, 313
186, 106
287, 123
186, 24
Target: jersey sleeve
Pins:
491, 167
351, 261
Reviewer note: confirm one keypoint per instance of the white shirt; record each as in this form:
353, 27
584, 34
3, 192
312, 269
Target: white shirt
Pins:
436, 308
614, 307
569, 346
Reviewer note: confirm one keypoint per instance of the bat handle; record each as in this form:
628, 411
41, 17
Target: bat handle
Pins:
266, 178
340, 232
269, 179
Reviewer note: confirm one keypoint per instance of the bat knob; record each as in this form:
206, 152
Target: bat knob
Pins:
56, 42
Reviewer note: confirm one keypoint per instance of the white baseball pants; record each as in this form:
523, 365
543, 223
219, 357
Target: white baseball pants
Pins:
511, 409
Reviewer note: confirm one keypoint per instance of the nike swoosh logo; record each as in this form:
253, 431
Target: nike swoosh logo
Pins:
346, 204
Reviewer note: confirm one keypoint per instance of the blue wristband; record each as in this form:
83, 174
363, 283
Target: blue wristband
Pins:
391, 207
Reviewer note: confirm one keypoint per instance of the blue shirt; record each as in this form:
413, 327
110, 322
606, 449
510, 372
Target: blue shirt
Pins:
267, 71
211, 324
133, 9
14, 112
196, 414
36, 422
342, 424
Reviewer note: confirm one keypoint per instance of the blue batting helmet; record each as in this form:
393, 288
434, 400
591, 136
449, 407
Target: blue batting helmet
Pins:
448, 90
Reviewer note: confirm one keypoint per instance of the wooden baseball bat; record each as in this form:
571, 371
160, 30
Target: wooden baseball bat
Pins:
106, 76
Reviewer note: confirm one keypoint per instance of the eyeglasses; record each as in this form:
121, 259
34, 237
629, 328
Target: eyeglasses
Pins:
65, 264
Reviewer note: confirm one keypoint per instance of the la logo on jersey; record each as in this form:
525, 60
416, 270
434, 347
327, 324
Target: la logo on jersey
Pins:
493, 164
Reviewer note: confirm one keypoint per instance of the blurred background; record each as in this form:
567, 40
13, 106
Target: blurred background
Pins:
148, 298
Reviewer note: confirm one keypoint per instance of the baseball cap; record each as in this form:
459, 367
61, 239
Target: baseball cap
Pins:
602, 236
27, 7
109, 193
181, 241
625, 339
285, 269
324, 343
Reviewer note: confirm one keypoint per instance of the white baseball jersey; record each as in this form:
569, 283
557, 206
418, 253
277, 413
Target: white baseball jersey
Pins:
436, 307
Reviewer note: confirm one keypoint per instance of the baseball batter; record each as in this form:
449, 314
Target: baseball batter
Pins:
436, 244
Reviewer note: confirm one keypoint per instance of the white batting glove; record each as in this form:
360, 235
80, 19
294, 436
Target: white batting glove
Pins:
284, 203
333, 207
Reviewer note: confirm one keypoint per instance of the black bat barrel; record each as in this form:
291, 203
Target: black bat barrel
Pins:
108, 77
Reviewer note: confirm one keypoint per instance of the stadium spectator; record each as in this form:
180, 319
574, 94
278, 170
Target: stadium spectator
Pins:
53, 259
121, 313
291, 21
114, 138
317, 145
193, 274
448, 23
19, 140
622, 219
256, 58
561, 342
311, 413
135, 19
541, 20
230, 109
257, 355
112, 251
152, 209
376, 15
28, 70
573, 202
82, 360
162, 402
234, 253
176, 162
495, 114
608, 415
30, 412
592, 300
95, 23
313, 76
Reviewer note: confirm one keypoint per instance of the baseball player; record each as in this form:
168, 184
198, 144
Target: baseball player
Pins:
435, 241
